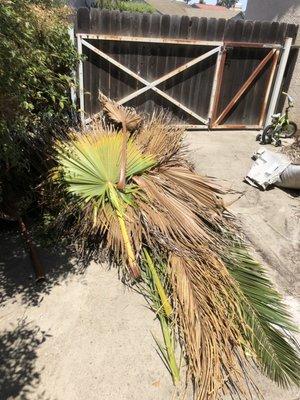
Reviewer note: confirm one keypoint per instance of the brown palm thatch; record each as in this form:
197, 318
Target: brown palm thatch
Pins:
227, 314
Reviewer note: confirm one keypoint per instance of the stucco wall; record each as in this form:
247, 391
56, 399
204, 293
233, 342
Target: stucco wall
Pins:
274, 10
282, 11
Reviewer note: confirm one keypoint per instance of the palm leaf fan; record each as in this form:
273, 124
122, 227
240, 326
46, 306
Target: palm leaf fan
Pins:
89, 166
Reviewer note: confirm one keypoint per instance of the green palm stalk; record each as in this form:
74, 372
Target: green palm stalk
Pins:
158, 299
158, 285
115, 201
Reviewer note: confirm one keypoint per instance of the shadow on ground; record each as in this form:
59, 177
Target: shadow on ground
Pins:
294, 193
17, 279
18, 354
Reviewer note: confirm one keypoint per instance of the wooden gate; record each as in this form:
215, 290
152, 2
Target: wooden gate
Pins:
195, 68
232, 100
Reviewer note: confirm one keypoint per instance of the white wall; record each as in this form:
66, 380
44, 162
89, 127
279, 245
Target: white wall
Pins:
282, 11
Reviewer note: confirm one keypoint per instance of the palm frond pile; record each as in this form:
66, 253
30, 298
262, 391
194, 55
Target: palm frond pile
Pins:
168, 228
293, 150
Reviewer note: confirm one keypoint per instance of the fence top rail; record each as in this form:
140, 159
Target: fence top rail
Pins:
253, 45
142, 39
166, 40
135, 27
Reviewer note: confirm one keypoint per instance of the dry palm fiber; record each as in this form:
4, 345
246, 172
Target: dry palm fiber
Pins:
125, 118
227, 313
293, 150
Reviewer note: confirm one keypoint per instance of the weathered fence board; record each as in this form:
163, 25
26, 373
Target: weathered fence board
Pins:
188, 93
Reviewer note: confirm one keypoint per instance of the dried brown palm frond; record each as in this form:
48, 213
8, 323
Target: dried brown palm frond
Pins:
293, 149
205, 299
184, 221
225, 307
160, 136
127, 118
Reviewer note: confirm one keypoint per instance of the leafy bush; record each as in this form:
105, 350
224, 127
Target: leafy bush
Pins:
227, 3
135, 6
36, 61
124, 5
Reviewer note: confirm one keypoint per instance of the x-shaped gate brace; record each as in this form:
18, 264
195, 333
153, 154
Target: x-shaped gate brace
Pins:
213, 120
152, 85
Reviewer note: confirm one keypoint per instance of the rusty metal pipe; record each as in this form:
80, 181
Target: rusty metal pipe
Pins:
35, 260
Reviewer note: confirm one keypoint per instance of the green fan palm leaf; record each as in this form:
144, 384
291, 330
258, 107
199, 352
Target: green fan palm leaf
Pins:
89, 167
91, 162
266, 317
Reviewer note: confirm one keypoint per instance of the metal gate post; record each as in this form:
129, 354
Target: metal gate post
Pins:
279, 78
80, 79
73, 87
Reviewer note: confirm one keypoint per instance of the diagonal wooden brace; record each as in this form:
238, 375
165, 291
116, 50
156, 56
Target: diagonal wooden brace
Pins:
243, 88
169, 75
153, 85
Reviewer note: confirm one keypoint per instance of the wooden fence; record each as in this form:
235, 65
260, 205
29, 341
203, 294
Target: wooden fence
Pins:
213, 73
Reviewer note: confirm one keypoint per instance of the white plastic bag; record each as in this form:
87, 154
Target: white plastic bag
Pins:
290, 177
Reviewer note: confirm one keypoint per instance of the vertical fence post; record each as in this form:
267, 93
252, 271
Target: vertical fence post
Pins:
215, 84
218, 79
73, 88
80, 79
279, 78
269, 87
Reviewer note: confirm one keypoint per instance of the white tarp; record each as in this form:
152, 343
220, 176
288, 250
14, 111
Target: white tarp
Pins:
271, 168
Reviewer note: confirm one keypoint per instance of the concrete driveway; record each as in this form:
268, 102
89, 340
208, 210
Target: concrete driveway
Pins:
270, 220
83, 335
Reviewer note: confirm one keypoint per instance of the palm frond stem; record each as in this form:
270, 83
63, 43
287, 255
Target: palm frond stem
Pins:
134, 268
160, 289
123, 161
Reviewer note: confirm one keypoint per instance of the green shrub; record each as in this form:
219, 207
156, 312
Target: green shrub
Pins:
135, 6
36, 61
124, 5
